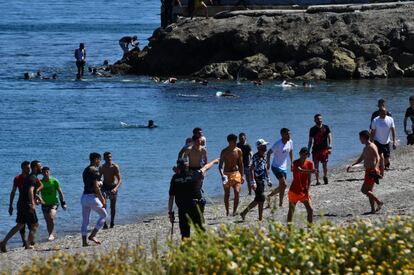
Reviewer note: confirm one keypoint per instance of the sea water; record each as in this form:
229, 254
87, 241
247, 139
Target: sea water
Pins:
60, 122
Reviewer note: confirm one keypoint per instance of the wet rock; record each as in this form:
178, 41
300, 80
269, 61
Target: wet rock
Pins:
342, 66
370, 50
405, 60
252, 65
409, 71
314, 74
310, 64
121, 68
215, 70
394, 70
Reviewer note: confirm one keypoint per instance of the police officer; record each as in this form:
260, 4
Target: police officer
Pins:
185, 187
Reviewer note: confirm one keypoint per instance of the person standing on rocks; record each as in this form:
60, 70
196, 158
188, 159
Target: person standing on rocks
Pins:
261, 177
51, 188
232, 173
92, 199
321, 138
299, 190
112, 180
371, 159
247, 157
185, 188
80, 56
26, 208
381, 127
281, 150
124, 43
409, 114
18, 183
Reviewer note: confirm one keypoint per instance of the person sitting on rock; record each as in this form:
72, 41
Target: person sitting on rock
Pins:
125, 41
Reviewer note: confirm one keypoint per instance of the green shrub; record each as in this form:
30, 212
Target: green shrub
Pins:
360, 247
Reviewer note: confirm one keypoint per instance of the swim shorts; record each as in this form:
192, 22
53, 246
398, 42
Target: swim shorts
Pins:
25, 217
234, 179
320, 155
47, 208
248, 174
371, 175
106, 192
259, 192
295, 197
383, 149
279, 173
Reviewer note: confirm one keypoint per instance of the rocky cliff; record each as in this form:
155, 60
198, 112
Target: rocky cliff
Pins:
359, 44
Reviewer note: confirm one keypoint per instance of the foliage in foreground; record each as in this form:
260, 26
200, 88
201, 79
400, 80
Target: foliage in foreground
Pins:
360, 247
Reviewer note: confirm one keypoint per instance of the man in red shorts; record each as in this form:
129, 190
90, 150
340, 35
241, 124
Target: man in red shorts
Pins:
299, 190
321, 138
371, 160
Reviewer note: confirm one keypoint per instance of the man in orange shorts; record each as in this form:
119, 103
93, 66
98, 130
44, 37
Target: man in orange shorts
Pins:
299, 190
233, 172
371, 160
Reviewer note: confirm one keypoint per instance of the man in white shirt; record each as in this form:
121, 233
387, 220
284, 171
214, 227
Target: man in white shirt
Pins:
281, 150
381, 127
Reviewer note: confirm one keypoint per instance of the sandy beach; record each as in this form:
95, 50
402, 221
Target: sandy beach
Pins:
340, 202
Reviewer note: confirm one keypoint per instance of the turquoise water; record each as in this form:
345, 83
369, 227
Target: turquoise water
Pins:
61, 122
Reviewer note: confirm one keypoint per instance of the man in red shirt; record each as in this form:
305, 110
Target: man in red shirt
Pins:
299, 190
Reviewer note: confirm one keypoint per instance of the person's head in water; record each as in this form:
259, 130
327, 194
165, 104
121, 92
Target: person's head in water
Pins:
182, 166
242, 138
81, 46
364, 136
25, 166
151, 124
227, 92
232, 140
381, 104
383, 113
26, 76
54, 76
95, 159
39, 74
285, 134
306, 84
36, 167
318, 119
94, 71
106, 62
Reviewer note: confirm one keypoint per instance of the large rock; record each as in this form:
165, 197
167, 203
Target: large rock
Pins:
310, 64
252, 65
314, 74
342, 66
375, 68
370, 50
215, 70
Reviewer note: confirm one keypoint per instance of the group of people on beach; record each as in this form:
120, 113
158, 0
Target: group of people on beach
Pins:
237, 164
47, 193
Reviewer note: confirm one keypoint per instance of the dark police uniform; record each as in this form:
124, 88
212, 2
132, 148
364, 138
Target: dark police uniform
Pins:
186, 188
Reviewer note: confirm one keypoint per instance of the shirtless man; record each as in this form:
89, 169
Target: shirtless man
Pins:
111, 182
233, 172
196, 154
371, 160
198, 132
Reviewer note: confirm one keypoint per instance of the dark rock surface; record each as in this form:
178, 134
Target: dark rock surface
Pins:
364, 44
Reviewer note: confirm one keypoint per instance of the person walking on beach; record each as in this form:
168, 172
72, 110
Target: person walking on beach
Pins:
259, 170
18, 185
92, 199
185, 188
26, 208
112, 180
321, 138
299, 190
233, 172
198, 132
381, 127
247, 157
409, 114
381, 106
80, 56
124, 43
51, 188
196, 154
281, 150
371, 159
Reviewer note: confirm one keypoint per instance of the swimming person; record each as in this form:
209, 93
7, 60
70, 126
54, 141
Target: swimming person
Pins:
371, 159
26, 208
247, 157
320, 140
299, 190
51, 188
80, 56
258, 168
151, 124
185, 188
124, 43
281, 150
112, 181
232, 174
92, 199
18, 185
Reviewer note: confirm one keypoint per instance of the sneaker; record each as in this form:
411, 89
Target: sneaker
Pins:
105, 226
3, 247
112, 225
317, 183
51, 237
325, 180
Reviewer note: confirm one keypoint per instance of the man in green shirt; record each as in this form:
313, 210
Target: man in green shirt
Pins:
51, 187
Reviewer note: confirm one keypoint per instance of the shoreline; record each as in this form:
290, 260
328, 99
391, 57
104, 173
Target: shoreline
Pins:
338, 202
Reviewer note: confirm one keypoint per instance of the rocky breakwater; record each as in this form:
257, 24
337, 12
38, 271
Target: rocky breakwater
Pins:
323, 45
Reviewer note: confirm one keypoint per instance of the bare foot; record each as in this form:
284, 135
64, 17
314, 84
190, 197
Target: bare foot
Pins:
30, 247
95, 240
380, 204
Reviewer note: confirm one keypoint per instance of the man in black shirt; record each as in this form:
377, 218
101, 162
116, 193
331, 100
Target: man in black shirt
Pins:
321, 138
26, 208
409, 114
247, 159
381, 106
185, 187
125, 41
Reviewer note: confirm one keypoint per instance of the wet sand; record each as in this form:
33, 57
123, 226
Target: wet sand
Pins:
340, 202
